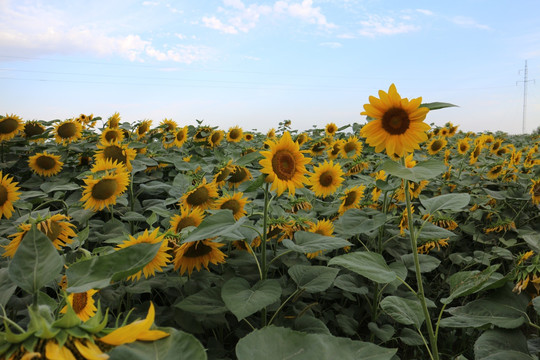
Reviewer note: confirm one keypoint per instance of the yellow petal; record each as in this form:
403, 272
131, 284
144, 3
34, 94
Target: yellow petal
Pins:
90, 351
55, 352
152, 335
129, 333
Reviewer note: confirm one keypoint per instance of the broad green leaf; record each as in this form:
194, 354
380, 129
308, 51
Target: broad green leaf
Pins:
359, 221
53, 186
350, 283
308, 242
422, 171
437, 105
498, 195
427, 262
469, 282
454, 202
133, 216
384, 332
35, 263
178, 345
249, 159
271, 343
410, 337
310, 324
499, 344
207, 301
222, 222
98, 271
7, 287
404, 311
313, 278
431, 231
243, 300
368, 264
532, 238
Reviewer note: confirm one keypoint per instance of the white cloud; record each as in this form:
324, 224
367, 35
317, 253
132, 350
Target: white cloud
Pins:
253, 58
216, 24
425, 12
186, 54
468, 23
377, 25
150, 3
304, 11
332, 44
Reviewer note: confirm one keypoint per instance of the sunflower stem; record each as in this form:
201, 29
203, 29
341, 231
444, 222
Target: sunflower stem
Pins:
420, 293
2, 151
263, 245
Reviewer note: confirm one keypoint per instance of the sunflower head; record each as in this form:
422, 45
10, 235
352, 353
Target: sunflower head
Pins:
10, 126
351, 148
534, 191
45, 164
198, 254
143, 128
181, 136
188, 217
436, 145
351, 198
112, 136
215, 138
67, 131
238, 175
326, 178
398, 124
8, 195
235, 134
331, 129
115, 152
82, 303
235, 203
202, 196
109, 180
33, 129
284, 164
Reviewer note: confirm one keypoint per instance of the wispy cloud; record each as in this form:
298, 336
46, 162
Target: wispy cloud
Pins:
331, 44
379, 25
468, 22
425, 12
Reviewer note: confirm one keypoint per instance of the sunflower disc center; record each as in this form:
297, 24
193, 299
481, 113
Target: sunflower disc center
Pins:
53, 230
3, 195
180, 135
536, 191
198, 197
437, 145
223, 174
104, 189
238, 175
198, 249
395, 121
326, 179
231, 205
79, 302
33, 129
8, 125
111, 135
67, 130
235, 134
350, 199
349, 147
115, 153
184, 223
284, 165
45, 162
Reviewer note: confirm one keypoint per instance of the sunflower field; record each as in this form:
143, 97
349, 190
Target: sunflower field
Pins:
390, 239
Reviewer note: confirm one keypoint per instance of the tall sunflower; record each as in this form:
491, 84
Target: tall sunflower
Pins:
67, 131
33, 128
114, 120
45, 164
534, 191
109, 180
330, 129
8, 195
463, 146
248, 137
215, 138
351, 148
322, 227
235, 203
326, 178
188, 217
398, 126
202, 133
158, 262
143, 128
496, 171
302, 138
223, 173
111, 136
168, 125
271, 133
335, 149
196, 254
10, 126
351, 198
285, 165
56, 227
203, 196
436, 145
116, 152
181, 136
235, 134
82, 303
238, 175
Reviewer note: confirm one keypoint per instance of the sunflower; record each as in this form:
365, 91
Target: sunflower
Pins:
356, 166
496, 171
326, 178
188, 217
398, 125
202, 134
109, 180
112, 135
168, 140
223, 173
168, 125
436, 145
8, 195
331, 129
444, 132
351, 198
10, 125
302, 138
143, 128
335, 149
238, 175
45, 164
317, 148
196, 254
429, 245
473, 158
56, 227
215, 138
158, 262
235, 134
501, 225
234, 202
534, 191
113, 121
463, 146
351, 148
376, 192
82, 303
202, 196
495, 146
322, 227
67, 131
116, 152
271, 133
87, 121
32, 129
248, 137
285, 165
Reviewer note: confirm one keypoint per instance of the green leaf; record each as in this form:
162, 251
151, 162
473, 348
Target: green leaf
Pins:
271, 343
207, 301
404, 311
368, 264
431, 231
499, 344
249, 159
7, 287
350, 283
313, 278
133, 216
98, 271
464, 283
310, 324
427, 262
384, 332
35, 263
422, 171
178, 345
53, 186
359, 221
308, 242
437, 105
243, 300
222, 222
454, 202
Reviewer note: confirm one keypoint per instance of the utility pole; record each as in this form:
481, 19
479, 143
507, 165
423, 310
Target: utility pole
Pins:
525, 81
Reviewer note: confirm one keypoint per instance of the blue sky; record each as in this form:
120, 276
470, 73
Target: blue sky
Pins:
255, 63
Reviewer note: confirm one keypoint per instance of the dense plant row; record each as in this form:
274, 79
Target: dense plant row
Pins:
387, 240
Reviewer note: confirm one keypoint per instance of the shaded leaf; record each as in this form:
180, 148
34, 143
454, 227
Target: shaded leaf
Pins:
207, 301
454, 202
308, 242
499, 344
313, 278
422, 171
222, 222
359, 221
368, 264
243, 300
404, 311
